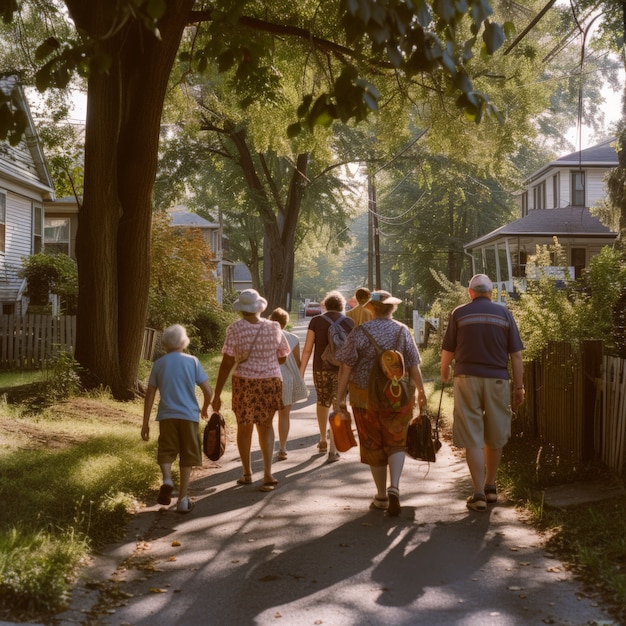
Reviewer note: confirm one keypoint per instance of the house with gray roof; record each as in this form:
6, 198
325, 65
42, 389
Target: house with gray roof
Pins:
24, 185
555, 203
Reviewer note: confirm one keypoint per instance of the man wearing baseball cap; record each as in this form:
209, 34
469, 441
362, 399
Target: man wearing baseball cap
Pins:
480, 338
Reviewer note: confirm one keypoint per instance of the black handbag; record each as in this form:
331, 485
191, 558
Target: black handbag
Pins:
214, 438
419, 439
422, 439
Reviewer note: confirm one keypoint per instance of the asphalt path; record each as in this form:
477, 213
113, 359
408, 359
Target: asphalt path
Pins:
312, 552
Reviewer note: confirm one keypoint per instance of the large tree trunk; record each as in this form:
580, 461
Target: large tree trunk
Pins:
279, 247
279, 217
121, 141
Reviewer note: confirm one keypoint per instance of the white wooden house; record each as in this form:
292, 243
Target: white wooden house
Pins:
555, 203
24, 185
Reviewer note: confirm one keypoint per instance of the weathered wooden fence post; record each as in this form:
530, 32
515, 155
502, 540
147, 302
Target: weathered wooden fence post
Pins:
592, 354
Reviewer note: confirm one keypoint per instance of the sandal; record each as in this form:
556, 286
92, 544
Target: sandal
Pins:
281, 456
246, 479
477, 502
322, 446
379, 503
270, 486
491, 494
332, 457
185, 505
393, 510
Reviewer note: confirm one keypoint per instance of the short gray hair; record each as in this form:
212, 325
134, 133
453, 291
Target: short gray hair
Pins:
174, 338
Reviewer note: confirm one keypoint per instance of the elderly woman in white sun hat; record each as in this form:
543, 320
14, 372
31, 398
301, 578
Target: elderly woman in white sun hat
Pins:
255, 347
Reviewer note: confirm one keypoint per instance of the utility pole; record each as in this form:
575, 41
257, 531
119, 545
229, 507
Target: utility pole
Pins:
373, 253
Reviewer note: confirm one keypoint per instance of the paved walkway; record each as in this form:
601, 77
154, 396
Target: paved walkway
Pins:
312, 552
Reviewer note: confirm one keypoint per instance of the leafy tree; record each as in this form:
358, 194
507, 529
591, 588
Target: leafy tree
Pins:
552, 310
182, 285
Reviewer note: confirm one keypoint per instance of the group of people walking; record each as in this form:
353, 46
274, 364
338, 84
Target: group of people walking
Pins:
267, 378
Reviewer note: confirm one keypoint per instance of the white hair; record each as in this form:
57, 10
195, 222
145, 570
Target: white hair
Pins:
175, 338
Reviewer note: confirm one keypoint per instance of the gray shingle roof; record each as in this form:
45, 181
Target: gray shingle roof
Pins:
572, 221
600, 155
182, 217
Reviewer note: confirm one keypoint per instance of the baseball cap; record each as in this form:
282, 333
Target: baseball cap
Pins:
481, 283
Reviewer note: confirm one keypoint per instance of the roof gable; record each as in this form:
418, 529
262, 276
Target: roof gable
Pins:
25, 162
600, 155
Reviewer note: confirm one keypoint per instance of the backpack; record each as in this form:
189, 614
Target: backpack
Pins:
337, 336
389, 387
214, 438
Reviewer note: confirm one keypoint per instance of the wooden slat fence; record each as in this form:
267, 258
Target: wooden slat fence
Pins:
611, 424
576, 402
31, 341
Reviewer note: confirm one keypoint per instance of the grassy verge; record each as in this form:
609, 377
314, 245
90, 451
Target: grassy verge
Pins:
71, 473
69, 476
589, 538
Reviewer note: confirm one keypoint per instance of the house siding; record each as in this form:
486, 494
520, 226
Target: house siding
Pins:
19, 240
595, 186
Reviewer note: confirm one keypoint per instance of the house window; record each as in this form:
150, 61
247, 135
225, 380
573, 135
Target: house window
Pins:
524, 204
57, 235
215, 242
578, 189
579, 260
37, 229
556, 180
539, 195
3, 221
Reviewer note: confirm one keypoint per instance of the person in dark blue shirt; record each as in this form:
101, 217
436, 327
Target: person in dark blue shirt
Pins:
480, 338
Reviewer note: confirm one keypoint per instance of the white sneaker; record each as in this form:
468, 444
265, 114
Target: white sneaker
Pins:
185, 505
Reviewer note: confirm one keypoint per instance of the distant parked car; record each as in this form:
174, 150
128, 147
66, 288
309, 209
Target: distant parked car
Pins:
313, 308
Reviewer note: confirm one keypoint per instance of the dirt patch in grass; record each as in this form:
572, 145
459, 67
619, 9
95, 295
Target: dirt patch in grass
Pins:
88, 409
33, 437
32, 434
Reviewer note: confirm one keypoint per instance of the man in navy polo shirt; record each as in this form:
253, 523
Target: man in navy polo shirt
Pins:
480, 338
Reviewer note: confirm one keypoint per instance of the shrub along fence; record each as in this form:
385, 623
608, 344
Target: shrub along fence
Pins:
576, 402
31, 341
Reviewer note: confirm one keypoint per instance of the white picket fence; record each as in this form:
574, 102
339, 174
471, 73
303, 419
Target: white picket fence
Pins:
30, 341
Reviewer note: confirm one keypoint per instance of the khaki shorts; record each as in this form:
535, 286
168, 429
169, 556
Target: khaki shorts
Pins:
179, 437
482, 412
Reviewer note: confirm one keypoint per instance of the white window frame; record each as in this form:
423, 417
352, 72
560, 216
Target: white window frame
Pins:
47, 242
573, 175
37, 209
